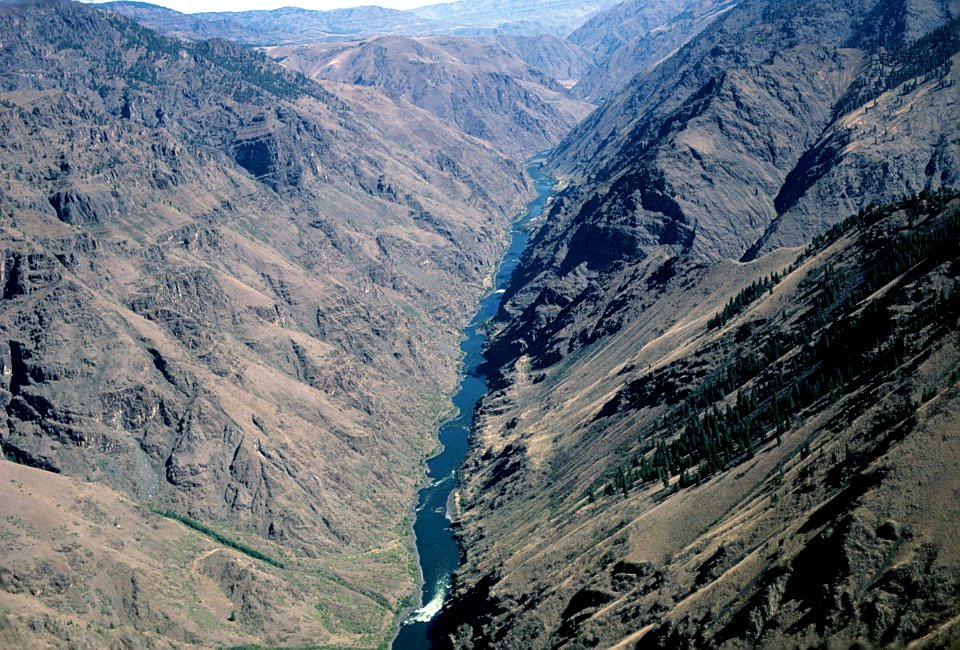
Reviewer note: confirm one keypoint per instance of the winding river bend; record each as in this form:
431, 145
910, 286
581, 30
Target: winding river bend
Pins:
436, 546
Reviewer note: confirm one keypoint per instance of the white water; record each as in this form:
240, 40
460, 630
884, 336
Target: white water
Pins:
438, 551
426, 613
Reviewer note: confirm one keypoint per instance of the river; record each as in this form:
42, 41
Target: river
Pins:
436, 546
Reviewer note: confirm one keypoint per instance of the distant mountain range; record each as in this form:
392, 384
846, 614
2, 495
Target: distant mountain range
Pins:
608, 43
277, 26
517, 17
512, 91
294, 25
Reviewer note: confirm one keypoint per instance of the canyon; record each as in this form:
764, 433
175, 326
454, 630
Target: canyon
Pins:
710, 398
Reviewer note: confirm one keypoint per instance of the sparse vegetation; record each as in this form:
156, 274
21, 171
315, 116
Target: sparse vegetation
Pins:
835, 347
924, 59
220, 538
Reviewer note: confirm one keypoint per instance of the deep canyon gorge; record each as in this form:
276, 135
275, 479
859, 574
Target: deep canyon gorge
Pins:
480, 325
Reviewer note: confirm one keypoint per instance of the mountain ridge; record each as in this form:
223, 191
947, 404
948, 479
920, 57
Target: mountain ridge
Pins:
478, 85
275, 26
293, 25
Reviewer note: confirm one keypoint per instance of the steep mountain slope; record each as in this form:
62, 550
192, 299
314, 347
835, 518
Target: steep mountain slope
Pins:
478, 85
724, 125
900, 135
276, 26
615, 26
517, 17
657, 331
232, 297
764, 455
707, 178
638, 47
550, 55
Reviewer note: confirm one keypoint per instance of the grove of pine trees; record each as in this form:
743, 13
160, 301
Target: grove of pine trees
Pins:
836, 346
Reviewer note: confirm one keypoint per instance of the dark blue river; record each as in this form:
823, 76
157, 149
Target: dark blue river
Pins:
439, 554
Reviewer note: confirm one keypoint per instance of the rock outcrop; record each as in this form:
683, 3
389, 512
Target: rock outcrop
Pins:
76, 207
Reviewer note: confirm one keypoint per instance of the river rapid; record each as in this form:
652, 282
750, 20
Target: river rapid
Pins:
437, 548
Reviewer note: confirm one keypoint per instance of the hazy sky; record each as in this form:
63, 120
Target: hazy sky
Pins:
195, 6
